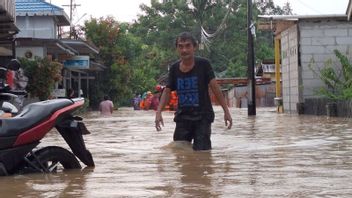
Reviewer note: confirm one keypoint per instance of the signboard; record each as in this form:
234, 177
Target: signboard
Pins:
77, 62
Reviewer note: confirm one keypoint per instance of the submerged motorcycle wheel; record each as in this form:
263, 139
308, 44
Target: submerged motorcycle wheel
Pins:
54, 159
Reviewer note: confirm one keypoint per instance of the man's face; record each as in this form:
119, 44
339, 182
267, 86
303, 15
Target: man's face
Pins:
185, 49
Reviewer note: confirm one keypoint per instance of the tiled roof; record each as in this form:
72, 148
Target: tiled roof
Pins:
41, 8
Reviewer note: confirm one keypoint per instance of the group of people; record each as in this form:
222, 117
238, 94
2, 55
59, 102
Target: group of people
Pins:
151, 100
146, 101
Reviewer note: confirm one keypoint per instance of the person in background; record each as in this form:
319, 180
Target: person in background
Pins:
70, 93
106, 107
148, 100
156, 97
192, 77
136, 102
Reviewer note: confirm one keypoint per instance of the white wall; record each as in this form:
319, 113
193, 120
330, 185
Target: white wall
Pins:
36, 51
36, 27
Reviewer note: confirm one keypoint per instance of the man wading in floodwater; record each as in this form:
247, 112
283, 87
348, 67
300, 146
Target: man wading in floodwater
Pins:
191, 77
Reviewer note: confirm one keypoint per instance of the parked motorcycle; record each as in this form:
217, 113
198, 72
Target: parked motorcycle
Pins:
20, 136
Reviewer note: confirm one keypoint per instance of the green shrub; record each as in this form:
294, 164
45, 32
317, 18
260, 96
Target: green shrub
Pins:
42, 75
337, 80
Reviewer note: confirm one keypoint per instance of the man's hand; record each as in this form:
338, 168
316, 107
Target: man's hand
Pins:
228, 119
158, 121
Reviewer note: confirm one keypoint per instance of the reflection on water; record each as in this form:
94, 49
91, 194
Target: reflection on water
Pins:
194, 169
268, 155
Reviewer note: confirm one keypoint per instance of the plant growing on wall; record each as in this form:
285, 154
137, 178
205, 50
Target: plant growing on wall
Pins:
42, 75
337, 80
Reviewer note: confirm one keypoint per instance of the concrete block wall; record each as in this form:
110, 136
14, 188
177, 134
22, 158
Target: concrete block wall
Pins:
290, 69
318, 39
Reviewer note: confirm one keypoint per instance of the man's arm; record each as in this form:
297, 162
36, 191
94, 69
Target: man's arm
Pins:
163, 101
215, 88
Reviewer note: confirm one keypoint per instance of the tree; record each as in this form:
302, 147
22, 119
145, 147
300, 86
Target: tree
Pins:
106, 34
129, 68
137, 54
42, 75
219, 25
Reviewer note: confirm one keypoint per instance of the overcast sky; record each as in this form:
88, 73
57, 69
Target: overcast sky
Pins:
127, 10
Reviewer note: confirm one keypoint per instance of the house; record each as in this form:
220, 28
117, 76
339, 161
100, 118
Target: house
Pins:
305, 41
8, 30
41, 26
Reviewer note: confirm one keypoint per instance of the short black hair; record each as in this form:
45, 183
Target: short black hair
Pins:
106, 97
184, 36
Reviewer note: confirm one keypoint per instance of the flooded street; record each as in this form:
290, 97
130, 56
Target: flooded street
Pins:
269, 155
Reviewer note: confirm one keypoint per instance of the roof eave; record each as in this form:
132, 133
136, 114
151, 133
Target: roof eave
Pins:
79, 43
298, 17
61, 16
349, 10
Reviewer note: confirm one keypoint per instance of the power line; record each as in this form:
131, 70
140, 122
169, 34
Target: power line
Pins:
205, 36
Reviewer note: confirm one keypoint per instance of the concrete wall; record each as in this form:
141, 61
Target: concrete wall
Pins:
238, 96
318, 39
36, 27
291, 82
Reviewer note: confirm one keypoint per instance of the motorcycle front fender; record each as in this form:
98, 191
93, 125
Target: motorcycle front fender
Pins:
72, 131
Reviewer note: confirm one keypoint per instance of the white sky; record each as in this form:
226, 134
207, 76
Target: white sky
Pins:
316, 7
127, 10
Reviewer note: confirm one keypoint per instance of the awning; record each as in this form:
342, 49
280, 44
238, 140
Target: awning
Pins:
53, 46
82, 47
94, 66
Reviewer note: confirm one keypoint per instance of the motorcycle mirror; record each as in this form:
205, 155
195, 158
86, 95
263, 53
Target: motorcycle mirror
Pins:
14, 65
9, 108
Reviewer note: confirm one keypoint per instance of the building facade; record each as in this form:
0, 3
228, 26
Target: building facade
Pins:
306, 44
42, 26
8, 30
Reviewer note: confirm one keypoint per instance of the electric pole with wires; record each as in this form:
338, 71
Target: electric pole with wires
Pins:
72, 7
250, 61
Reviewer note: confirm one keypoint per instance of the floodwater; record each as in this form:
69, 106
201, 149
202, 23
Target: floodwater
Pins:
267, 155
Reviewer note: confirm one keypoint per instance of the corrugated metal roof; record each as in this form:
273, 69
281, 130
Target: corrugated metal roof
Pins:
298, 17
41, 8
35, 6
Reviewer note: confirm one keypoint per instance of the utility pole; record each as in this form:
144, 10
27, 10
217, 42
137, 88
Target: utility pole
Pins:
72, 7
250, 61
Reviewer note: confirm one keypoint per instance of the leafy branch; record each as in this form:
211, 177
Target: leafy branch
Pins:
42, 75
338, 81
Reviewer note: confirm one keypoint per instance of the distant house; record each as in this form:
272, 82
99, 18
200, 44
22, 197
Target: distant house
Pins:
41, 27
304, 38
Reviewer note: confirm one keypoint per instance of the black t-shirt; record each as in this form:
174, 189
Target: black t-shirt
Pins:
192, 90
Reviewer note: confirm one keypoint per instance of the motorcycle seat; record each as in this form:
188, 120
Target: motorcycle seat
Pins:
30, 116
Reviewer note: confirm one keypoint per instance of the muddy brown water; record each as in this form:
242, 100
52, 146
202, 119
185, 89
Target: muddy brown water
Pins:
267, 155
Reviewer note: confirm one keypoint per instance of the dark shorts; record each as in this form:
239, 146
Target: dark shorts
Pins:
198, 131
